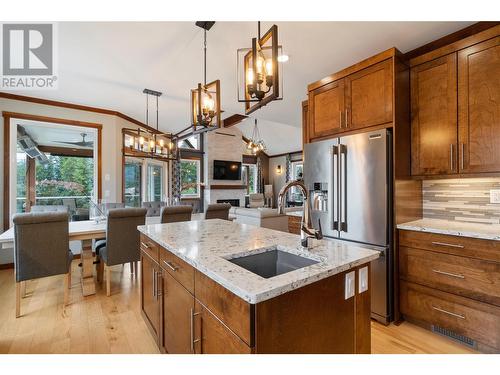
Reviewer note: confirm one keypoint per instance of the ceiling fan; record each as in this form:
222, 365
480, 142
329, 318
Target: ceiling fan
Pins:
83, 142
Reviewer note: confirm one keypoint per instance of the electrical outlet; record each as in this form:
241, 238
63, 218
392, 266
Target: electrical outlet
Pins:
363, 280
494, 196
349, 285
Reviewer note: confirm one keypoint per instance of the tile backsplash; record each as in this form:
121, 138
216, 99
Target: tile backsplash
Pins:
465, 199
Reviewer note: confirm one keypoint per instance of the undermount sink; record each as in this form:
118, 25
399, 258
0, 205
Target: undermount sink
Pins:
272, 263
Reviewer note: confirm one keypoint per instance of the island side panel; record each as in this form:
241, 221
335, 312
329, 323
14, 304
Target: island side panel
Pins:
313, 319
363, 330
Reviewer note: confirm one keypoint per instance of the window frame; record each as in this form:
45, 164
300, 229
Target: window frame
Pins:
148, 197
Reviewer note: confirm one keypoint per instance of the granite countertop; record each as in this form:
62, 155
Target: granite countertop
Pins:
454, 228
207, 244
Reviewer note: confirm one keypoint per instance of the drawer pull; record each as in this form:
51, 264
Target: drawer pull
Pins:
145, 245
171, 266
448, 312
447, 244
458, 276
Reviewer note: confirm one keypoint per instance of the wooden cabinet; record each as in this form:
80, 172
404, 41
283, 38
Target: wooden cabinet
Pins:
213, 337
358, 97
479, 107
150, 294
452, 283
326, 109
369, 96
188, 312
178, 316
434, 117
455, 110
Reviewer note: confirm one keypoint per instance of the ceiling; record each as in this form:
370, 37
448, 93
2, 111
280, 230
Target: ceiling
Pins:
48, 134
107, 65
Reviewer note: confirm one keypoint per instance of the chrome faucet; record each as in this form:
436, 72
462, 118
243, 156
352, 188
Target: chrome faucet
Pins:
307, 230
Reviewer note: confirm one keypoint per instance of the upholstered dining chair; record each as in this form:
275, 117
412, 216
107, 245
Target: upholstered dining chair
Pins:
218, 211
174, 214
153, 208
41, 249
122, 241
47, 208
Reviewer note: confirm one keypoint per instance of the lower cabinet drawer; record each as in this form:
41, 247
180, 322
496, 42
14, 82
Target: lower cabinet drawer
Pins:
150, 248
180, 270
476, 320
472, 278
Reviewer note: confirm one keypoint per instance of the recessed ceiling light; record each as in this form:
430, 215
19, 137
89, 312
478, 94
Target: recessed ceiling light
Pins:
283, 58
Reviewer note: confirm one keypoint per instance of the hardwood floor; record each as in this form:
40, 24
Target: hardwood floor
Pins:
100, 324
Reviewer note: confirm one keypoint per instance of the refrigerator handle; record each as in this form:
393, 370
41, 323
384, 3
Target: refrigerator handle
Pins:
334, 204
343, 188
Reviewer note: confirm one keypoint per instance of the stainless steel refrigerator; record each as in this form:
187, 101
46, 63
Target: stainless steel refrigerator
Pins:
350, 183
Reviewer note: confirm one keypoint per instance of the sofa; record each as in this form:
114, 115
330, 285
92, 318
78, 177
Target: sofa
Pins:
260, 217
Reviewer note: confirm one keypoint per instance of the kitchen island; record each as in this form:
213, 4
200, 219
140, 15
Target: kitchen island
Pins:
214, 286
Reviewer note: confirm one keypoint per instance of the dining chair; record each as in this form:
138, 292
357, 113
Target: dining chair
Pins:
122, 241
38, 208
41, 249
218, 211
153, 208
174, 214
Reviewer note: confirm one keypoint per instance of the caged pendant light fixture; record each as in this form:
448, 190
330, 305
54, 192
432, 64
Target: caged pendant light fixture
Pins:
205, 98
259, 71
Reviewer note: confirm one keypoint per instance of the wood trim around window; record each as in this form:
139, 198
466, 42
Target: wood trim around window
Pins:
7, 116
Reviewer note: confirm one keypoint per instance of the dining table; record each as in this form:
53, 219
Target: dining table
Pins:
85, 231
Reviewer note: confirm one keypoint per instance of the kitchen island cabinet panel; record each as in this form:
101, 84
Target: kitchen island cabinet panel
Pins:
150, 302
178, 308
231, 310
213, 337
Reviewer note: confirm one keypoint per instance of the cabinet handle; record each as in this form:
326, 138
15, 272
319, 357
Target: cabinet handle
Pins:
158, 283
145, 245
192, 314
346, 117
154, 282
447, 244
448, 312
340, 113
458, 276
462, 157
451, 158
171, 266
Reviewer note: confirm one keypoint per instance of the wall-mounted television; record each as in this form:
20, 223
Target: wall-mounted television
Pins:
227, 170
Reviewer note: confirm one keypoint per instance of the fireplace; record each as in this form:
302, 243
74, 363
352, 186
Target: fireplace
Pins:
232, 202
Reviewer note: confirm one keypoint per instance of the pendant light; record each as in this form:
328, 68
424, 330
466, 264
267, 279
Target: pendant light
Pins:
255, 143
205, 98
259, 71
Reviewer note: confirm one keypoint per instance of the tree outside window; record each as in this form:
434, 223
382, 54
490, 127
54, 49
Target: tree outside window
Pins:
250, 177
190, 178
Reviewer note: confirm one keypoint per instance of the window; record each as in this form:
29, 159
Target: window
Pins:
296, 174
250, 177
132, 177
154, 182
190, 178
191, 143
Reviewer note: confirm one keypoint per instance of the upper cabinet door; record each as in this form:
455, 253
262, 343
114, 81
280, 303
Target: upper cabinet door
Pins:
369, 96
326, 107
434, 117
479, 107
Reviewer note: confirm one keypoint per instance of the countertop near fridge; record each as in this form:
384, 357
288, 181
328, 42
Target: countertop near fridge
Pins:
206, 245
454, 228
